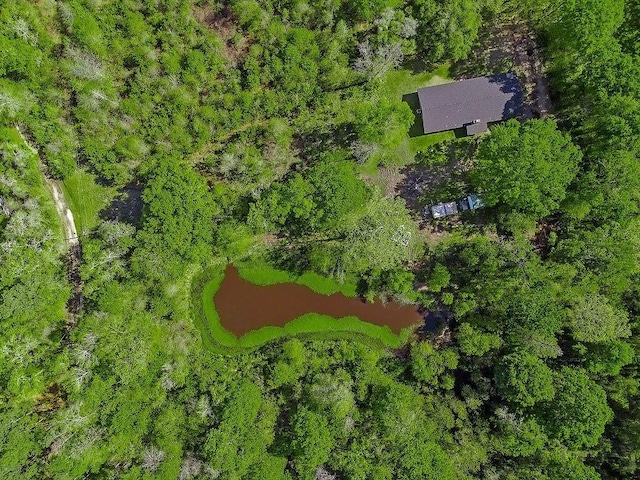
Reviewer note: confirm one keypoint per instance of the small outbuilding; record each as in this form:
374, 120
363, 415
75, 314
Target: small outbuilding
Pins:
438, 211
471, 104
442, 210
450, 208
472, 202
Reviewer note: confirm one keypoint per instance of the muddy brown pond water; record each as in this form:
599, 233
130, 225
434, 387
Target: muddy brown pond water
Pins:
243, 306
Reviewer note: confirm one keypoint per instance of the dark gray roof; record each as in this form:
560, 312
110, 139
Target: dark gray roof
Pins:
476, 128
481, 100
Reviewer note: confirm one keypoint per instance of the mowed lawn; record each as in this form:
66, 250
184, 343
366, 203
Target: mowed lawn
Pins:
404, 83
406, 80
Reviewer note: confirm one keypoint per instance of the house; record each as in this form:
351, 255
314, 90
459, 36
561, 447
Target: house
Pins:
471, 104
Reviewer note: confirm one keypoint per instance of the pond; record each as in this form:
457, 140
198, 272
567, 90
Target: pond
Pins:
244, 306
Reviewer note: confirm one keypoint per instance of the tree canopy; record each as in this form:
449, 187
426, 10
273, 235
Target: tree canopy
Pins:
180, 136
526, 167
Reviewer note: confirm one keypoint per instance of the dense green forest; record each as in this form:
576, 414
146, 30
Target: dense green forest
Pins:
261, 130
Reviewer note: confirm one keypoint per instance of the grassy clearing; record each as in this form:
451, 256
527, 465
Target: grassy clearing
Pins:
259, 272
407, 80
86, 199
404, 84
422, 143
312, 325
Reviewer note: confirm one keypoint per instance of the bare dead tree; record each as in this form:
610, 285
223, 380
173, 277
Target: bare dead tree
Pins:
152, 458
374, 62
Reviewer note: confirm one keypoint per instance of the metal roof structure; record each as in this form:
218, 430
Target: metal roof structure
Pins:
438, 211
471, 202
451, 208
471, 103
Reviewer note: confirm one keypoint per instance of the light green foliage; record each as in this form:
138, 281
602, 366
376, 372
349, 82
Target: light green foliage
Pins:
439, 278
291, 365
594, 320
474, 342
383, 237
110, 244
33, 292
397, 283
526, 167
333, 393
524, 379
224, 111
533, 317
432, 366
312, 441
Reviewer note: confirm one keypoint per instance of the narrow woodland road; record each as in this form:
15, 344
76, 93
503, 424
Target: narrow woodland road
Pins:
64, 212
74, 252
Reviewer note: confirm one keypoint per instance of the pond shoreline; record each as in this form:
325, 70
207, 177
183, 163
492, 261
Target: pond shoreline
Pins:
309, 325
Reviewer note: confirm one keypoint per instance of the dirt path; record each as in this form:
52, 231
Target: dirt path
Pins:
528, 58
74, 252
71, 235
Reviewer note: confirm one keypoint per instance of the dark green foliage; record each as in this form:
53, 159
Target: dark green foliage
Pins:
473, 342
238, 445
177, 224
526, 167
518, 437
448, 28
523, 379
237, 120
316, 201
579, 411
312, 442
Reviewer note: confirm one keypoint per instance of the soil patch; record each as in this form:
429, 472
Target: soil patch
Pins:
127, 207
223, 23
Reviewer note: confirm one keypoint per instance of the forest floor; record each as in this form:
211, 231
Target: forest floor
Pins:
511, 46
201, 154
